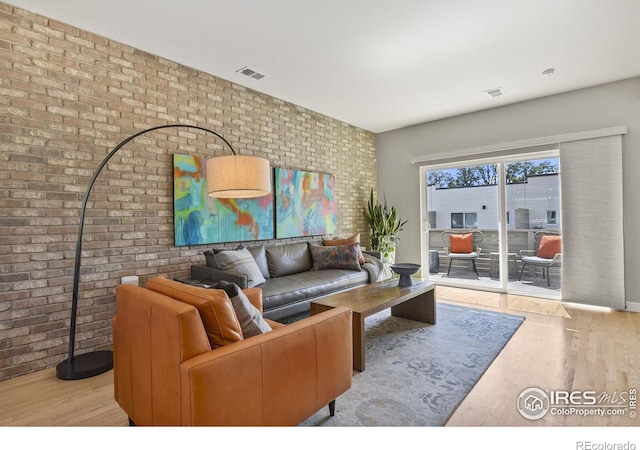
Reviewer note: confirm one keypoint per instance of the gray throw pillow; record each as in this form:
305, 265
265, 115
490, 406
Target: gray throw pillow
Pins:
210, 255
241, 261
260, 255
251, 321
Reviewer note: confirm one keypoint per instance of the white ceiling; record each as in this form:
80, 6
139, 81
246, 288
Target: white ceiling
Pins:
379, 64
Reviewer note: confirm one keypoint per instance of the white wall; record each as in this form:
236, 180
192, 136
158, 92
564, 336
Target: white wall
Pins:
465, 200
539, 195
609, 105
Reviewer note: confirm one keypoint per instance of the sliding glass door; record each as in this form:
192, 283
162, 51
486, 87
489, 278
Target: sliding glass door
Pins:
533, 226
507, 205
463, 201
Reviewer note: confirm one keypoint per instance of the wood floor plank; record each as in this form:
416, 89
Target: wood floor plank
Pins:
41, 399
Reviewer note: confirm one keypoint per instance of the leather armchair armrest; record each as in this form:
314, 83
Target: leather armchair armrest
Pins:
205, 273
255, 297
277, 378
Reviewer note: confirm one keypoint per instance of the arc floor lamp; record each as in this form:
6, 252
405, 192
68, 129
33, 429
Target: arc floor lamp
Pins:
234, 176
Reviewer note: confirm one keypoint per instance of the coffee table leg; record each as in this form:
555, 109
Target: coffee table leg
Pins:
358, 341
421, 308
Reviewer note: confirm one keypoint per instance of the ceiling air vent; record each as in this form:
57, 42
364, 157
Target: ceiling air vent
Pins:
250, 73
495, 92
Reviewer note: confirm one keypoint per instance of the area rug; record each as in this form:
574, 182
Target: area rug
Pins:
417, 374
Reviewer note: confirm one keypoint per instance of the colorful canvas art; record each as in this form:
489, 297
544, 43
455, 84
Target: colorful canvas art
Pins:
305, 203
200, 219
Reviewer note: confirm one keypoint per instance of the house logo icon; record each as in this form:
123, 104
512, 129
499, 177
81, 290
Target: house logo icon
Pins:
533, 403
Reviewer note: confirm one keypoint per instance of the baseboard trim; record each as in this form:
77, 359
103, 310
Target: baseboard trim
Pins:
633, 306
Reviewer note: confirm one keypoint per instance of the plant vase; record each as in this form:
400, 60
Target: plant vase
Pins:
387, 249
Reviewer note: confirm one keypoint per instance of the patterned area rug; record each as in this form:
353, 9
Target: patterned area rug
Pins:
416, 373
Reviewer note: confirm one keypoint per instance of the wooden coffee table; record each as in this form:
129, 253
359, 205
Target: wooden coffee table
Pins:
415, 302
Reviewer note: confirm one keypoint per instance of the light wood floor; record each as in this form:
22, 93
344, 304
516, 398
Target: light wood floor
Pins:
559, 346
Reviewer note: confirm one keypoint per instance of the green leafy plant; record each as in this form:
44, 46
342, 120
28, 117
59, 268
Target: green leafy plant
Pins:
385, 223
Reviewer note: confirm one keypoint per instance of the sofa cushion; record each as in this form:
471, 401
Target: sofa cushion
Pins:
250, 317
241, 261
257, 251
335, 257
259, 254
355, 239
210, 255
288, 259
215, 308
290, 289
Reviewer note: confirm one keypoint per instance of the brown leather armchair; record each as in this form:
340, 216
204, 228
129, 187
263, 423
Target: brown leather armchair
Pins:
165, 372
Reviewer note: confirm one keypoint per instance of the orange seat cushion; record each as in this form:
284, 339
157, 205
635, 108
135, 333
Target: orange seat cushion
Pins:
550, 246
461, 243
215, 308
355, 239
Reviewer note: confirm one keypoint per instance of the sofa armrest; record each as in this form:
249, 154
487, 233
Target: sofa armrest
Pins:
277, 378
206, 273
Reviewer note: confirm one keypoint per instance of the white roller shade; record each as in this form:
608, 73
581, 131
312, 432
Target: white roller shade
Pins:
592, 228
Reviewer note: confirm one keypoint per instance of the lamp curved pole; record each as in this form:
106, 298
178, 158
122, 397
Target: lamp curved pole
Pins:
94, 363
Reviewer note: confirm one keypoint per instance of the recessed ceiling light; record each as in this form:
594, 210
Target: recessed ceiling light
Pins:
548, 72
495, 92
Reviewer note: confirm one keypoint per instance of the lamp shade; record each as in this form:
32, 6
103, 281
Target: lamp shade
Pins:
238, 176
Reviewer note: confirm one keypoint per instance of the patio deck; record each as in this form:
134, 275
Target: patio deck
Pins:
462, 274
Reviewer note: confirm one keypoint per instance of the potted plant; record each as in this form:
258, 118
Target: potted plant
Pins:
384, 224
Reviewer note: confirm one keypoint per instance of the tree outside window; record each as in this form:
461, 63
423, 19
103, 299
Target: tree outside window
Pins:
487, 175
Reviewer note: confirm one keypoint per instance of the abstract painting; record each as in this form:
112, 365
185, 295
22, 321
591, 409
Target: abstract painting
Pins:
305, 203
200, 219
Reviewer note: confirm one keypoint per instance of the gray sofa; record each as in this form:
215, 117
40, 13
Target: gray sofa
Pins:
288, 277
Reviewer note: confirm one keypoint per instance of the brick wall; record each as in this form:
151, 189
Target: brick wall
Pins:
67, 97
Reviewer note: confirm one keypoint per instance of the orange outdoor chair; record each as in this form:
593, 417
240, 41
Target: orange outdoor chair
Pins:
462, 245
547, 253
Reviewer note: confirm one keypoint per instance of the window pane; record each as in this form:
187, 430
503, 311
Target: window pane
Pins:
532, 203
468, 197
457, 220
464, 197
471, 220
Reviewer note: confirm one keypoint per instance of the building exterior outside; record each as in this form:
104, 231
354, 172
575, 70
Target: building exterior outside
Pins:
533, 204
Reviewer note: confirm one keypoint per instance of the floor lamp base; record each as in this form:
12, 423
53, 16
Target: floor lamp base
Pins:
85, 365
